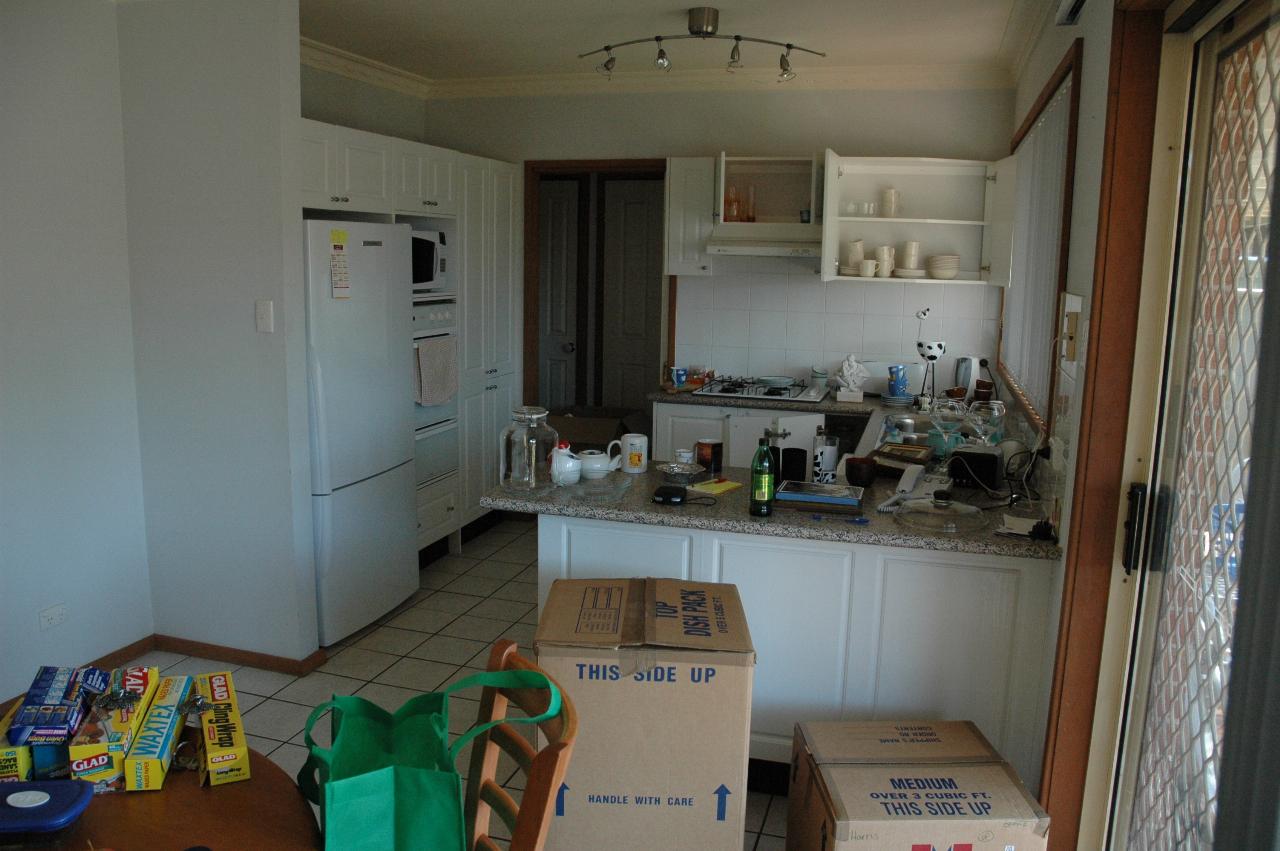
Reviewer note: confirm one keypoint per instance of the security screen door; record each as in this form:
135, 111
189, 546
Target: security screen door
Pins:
1211, 378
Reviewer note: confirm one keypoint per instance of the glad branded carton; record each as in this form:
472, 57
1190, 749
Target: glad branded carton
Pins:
913, 785
98, 751
660, 672
50, 714
223, 751
152, 750
15, 760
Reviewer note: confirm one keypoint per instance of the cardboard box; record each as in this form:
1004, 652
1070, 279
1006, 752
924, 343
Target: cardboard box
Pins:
15, 760
660, 672
915, 785
55, 704
148, 760
98, 751
223, 752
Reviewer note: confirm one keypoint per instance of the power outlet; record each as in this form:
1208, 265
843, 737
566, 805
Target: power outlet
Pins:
53, 616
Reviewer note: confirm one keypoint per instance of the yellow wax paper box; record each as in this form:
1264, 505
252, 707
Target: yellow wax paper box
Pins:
15, 760
148, 761
98, 751
223, 751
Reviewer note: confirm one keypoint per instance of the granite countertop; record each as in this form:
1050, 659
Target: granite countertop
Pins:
729, 514
828, 405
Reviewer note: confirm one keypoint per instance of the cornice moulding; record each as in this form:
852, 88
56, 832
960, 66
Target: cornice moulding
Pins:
881, 77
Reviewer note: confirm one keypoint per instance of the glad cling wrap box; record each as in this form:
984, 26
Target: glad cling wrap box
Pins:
15, 760
913, 785
98, 751
660, 672
223, 751
148, 761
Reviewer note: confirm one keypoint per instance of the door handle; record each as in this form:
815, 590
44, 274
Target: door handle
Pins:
568, 348
1134, 526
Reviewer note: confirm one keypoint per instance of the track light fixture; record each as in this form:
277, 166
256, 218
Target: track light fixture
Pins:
704, 22
784, 66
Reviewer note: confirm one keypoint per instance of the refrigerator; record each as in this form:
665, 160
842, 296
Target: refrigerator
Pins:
360, 382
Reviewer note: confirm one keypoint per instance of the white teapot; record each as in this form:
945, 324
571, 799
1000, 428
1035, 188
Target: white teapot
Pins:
566, 469
597, 464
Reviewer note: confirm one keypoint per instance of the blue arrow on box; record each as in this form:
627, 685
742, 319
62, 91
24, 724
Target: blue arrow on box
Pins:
722, 794
564, 787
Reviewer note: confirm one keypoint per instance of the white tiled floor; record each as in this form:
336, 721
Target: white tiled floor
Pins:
443, 633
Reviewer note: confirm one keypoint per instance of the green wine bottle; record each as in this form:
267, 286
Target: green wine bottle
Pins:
764, 481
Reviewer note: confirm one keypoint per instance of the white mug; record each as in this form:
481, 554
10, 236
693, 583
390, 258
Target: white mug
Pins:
597, 464
853, 253
869, 268
884, 256
684, 456
635, 453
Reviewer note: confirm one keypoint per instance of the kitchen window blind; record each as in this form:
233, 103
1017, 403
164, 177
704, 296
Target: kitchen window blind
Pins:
1028, 329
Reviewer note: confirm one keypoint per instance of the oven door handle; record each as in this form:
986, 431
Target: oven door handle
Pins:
433, 430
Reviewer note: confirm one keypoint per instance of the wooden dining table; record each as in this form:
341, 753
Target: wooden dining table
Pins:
267, 811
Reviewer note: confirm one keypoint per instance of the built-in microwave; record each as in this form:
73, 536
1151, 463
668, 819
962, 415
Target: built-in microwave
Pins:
430, 261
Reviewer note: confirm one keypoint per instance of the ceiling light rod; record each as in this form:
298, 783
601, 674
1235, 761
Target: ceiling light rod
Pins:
704, 22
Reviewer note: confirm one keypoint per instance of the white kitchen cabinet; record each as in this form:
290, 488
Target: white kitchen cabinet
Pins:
690, 190
679, 426
344, 169
424, 179
484, 410
943, 206
488, 269
853, 631
997, 236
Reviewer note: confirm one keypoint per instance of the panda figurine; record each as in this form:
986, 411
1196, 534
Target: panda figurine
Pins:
931, 351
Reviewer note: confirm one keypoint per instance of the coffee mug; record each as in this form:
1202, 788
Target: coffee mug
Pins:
884, 256
635, 453
860, 472
868, 268
684, 456
597, 464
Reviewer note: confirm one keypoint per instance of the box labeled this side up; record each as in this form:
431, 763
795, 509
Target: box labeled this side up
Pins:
858, 786
660, 672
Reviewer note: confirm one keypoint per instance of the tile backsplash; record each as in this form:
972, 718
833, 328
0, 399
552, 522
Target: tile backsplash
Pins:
747, 324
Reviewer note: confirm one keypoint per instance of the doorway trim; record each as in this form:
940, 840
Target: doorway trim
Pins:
1136, 38
534, 170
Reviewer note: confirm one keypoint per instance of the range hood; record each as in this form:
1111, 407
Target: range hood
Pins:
766, 240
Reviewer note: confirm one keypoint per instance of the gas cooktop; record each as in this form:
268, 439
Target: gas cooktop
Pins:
756, 388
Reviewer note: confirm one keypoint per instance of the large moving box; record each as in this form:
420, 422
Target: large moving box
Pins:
660, 673
914, 785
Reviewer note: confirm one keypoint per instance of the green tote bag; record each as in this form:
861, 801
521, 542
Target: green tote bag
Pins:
389, 780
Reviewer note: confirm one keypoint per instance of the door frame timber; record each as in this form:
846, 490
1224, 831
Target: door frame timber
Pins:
1100, 466
534, 170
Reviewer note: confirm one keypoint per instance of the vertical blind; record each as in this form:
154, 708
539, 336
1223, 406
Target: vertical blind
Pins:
1031, 301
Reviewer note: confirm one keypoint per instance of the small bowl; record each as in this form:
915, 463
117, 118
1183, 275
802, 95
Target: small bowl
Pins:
860, 472
679, 473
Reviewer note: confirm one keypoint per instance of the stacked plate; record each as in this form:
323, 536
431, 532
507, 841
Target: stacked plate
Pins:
909, 273
897, 401
943, 266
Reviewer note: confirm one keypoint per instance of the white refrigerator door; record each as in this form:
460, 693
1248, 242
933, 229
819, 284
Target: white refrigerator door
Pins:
366, 552
359, 351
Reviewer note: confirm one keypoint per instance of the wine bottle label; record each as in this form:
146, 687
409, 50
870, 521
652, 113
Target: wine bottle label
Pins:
762, 487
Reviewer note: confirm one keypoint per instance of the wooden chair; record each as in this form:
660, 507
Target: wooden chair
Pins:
530, 820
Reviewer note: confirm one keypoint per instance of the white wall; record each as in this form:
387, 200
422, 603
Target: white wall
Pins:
747, 324
71, 506
210, 90
335, 99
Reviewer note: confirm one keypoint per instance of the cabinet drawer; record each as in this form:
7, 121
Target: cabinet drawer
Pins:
435, 452
437, 510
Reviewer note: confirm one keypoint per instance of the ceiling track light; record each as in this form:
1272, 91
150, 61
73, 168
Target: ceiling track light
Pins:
704, 22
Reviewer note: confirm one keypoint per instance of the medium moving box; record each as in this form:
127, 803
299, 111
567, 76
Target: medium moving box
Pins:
660, 673
911, 785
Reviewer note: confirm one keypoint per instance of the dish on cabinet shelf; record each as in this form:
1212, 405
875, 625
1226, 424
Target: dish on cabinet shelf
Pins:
909, 273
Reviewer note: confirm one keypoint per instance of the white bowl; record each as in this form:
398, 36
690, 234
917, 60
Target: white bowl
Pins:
943, 274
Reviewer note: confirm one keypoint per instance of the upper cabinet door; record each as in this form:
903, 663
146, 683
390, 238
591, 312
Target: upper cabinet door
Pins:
471, 266
424, 180
690, 206
997, 236
316, 168
364, 171
503, 326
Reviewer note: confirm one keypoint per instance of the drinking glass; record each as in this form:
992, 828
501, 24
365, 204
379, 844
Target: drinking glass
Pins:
986, 419
948, 414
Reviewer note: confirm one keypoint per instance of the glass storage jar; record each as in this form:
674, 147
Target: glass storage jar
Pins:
527, 443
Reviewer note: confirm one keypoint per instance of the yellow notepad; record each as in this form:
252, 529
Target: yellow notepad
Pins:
715, 486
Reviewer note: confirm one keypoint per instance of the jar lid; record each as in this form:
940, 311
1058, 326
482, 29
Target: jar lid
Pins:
529, 412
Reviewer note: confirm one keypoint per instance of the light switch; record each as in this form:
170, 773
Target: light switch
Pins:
264, 312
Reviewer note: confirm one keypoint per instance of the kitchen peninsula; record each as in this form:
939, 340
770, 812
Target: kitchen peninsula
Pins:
849, 620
